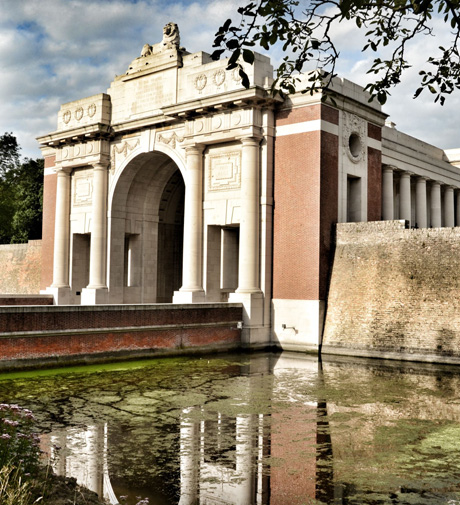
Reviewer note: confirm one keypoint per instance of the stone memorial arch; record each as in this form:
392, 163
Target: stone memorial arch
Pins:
160, 190
179, 185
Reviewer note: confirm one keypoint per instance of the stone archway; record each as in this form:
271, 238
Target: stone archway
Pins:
146, 216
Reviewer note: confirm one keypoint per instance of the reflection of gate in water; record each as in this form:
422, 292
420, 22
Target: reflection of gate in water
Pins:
82, 454
239, 459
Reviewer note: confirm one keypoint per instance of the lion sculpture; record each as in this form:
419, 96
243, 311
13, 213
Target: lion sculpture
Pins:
171, 40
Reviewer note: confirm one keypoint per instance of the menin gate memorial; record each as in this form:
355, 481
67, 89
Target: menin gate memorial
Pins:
180, 185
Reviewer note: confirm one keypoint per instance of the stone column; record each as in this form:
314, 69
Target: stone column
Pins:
192, 279
248, 265
449, 212
62, 230
388, 196
420, 203
60, 287
404, 197
457, 209
96, 291
436, 204
248, 292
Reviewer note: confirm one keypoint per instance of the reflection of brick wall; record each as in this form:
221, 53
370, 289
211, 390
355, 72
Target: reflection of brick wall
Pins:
292, 443
395, 290
75, 333
20, 265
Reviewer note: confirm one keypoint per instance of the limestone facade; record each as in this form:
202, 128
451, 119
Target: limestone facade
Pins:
180, 185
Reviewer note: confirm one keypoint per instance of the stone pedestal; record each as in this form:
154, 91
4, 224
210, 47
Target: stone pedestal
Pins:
189, 297
253, 317
61, 295
94, 296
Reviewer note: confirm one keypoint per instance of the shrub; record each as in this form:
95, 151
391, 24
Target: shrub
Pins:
19, 443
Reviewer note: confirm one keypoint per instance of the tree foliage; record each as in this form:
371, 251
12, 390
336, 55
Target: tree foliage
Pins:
21, 194
305, 29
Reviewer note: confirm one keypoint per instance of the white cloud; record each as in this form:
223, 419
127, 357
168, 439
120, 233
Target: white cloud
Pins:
55, 51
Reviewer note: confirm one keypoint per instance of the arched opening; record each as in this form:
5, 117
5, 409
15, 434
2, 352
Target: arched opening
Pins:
170, 238
146, 221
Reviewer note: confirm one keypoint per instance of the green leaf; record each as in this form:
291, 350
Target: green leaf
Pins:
248, 56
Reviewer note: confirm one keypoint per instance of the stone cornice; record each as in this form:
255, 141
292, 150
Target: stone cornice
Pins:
251, 97
81, 134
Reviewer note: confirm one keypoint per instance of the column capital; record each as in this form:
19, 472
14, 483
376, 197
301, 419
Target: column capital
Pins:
389, 168
251, 140
100, 165
406, 173
59, 169
421, 178
194, 148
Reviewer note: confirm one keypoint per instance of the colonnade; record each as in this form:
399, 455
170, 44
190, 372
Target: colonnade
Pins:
248, 259
192, 278
97, 286
434, 205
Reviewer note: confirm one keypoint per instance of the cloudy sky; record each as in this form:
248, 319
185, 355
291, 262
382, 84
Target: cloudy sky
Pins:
55, 51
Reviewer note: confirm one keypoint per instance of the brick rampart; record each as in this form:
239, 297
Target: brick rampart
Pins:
56, 335
395, 293
20, 266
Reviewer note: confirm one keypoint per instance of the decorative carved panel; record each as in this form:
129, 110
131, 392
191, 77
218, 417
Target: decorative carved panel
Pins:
224, 171
354, 137
83, 189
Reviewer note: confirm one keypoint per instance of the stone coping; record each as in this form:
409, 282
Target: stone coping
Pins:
8, 309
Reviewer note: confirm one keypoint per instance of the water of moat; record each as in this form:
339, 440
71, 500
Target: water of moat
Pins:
278, 429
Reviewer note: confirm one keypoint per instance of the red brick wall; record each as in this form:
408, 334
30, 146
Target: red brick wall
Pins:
70, 332
296, 217
26, 300
329, 204
59, 318
291, 116
49, 211
374, 131
306, 205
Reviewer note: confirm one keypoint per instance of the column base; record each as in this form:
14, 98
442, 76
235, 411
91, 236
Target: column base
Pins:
189, 297
61, 295
94, 296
